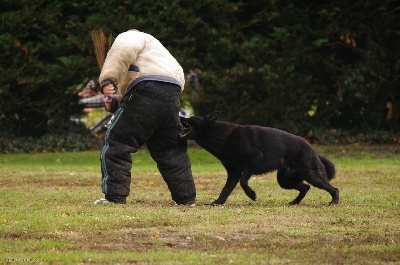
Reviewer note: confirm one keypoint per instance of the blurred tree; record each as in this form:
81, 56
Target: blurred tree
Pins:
301, 65
44, 57
296, 65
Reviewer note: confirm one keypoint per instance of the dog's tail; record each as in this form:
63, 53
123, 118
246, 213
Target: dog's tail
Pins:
329, 167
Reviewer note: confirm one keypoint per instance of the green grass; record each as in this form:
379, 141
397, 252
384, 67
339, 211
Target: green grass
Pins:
47, 214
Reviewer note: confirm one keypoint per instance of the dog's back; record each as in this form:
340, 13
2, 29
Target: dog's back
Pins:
268, 148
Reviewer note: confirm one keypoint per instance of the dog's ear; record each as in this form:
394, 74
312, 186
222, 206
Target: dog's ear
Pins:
213, 116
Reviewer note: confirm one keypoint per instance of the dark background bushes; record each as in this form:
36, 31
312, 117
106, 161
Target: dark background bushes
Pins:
308, 67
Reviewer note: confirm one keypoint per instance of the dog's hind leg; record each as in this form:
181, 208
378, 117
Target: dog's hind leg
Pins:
231, 182
244, 183
322, 182
289, 179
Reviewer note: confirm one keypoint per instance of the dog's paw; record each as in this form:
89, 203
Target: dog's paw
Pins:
333, 203
217, 203
253, 196
294, 202
249, 192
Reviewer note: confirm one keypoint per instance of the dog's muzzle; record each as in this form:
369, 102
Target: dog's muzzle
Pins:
186, 131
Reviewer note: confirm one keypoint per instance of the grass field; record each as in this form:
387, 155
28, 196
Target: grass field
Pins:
47, 214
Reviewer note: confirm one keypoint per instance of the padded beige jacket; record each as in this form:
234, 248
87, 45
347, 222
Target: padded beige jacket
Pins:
137, 56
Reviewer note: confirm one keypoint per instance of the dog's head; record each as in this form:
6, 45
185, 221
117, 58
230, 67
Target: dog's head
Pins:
194, 126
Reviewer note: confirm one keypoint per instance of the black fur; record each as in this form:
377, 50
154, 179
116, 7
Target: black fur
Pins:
245, 150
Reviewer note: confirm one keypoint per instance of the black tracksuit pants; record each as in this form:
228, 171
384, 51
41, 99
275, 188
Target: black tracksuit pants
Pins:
148, 116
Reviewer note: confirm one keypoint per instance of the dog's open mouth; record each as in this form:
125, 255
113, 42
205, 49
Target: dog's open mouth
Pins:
185, 131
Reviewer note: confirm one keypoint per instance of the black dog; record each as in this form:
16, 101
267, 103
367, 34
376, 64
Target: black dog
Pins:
245, 150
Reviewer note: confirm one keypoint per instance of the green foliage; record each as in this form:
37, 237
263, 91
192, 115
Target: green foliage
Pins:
45, 56
295, 65
66, 138
280, 59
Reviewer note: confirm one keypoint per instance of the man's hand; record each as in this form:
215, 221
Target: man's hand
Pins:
108, 91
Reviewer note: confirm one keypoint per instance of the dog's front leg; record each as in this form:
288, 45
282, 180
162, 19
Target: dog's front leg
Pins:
252, 162
231, 182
